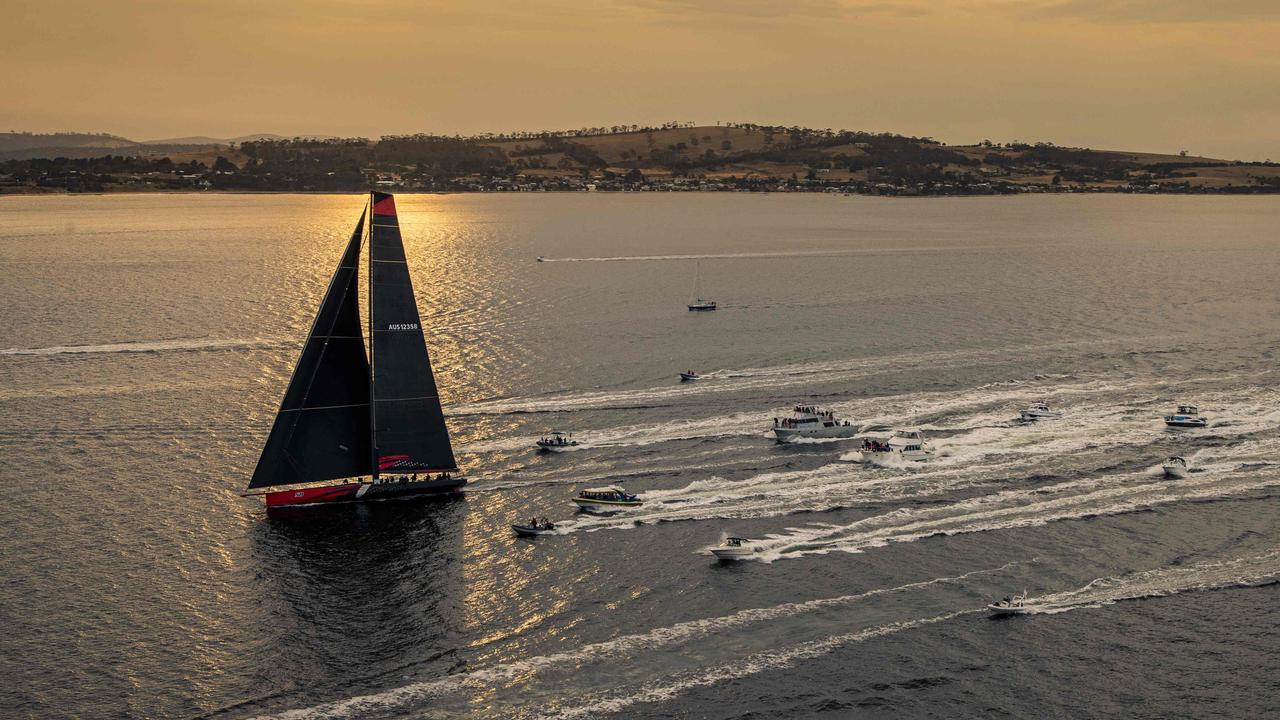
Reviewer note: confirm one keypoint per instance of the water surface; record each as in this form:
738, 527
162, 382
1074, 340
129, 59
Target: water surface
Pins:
147, 339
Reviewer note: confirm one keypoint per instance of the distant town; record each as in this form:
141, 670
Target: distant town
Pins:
674, 157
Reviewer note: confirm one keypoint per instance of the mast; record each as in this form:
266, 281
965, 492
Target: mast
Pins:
373, 420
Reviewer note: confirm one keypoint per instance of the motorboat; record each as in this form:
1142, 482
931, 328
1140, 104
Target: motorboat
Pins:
807, 421
556, 442
606, 500
689, 376
698, 304
1038, 411
1187, 416
541, 259
1175, 467
535, 527
909, 445
1011, 605
734, 549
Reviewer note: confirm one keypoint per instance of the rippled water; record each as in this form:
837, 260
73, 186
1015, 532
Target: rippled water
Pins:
146, 340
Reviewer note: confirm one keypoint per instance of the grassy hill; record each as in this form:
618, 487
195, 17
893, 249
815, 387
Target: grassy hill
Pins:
674, 156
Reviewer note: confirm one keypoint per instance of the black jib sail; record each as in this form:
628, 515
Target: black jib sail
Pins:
322, 429
409, 433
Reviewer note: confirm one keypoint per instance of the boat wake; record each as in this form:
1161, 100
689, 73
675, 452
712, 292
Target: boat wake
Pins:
983, 458
151, 346
726, 655
789, 254
1092, 406
1243, 572
1073, 500
619, 648
781, 376
1240, 572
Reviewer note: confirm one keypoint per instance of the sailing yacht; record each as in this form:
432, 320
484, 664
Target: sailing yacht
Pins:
698, 303
374, 423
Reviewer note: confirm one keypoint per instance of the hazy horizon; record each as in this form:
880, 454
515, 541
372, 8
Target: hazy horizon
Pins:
1139, 75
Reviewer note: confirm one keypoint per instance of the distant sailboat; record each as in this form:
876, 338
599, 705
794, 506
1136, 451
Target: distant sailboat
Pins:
698, 303
346, 416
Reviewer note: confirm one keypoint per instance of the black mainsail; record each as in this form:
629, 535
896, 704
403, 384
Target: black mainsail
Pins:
409, 432
322, 429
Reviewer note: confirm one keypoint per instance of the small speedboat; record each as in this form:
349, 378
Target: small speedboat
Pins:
1038, 411
541, 259
556, 442
909, 445
807, 421
734, 549
535, 527
1175, 467
1015, 605
689, 376
606, 500
1187, 416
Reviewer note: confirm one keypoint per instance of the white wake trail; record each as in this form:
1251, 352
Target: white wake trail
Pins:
620, 647
788, 254
150, 346
1015, 509
977, 458
1241, 572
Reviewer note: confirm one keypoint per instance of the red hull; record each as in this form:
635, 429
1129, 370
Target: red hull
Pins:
361, 492
331, 493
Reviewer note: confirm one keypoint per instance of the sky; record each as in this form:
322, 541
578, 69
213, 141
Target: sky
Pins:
1149, 75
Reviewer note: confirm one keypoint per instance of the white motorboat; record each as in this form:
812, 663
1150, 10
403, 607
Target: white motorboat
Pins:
734, 549
1187, 416
541, 259
807, 421
606, 500
535, 527
909, 445
1175, 467
689, 376
698, 303
1038, 411
556, 442
1015, 605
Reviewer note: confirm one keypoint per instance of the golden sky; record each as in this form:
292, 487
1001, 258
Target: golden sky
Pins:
1160, 75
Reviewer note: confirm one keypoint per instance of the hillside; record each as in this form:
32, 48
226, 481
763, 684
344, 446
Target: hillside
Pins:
20, 146
672, 157
26, 146
206, 140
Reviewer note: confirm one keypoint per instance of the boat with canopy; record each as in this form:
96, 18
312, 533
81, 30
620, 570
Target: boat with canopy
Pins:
1187, 416
372, 423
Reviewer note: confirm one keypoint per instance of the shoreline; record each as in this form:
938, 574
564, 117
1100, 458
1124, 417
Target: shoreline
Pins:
896, 193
